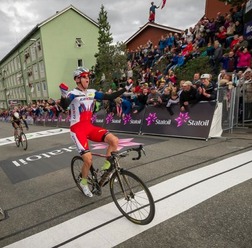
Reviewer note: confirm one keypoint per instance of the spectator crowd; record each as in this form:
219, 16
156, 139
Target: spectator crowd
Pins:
220, 39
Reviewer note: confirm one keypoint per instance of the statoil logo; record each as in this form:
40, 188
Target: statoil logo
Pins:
198, 123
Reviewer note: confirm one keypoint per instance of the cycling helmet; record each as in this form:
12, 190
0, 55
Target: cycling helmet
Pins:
80, 71
16, 114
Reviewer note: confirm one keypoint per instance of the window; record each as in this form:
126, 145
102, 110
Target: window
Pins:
79, 42
79, 64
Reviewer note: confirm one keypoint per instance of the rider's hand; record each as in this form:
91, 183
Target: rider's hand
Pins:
63, 89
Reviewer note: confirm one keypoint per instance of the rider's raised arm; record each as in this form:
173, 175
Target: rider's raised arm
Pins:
66, 98
104, 96
114, 95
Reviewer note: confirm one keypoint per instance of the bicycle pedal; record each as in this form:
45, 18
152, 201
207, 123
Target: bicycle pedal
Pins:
97, 192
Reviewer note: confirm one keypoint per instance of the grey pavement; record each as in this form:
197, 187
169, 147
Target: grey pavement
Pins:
45, 199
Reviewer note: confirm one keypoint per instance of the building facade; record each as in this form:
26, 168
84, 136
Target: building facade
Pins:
47, 56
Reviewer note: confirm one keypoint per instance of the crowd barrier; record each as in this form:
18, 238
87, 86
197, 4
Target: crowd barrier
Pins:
246, 101
199, 122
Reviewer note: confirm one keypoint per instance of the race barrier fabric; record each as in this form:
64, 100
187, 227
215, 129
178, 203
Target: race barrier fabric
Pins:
195, 123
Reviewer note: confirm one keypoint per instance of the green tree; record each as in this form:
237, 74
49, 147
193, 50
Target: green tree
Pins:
104, 55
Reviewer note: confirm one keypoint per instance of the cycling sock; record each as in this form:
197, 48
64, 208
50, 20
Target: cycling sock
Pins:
106, 165
84, 181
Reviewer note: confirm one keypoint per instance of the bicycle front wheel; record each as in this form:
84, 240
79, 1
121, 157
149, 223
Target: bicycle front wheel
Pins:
23, 141
132, 197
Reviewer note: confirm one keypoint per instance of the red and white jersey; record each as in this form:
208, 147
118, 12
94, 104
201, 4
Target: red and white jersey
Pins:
82, 105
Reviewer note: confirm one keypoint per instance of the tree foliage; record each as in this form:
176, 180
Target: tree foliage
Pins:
111, 59
104, 55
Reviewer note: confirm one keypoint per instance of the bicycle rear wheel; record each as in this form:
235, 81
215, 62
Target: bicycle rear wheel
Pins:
132, 197
23, 141
76, 169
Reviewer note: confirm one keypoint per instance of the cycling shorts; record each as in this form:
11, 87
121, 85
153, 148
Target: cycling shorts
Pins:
16, 123
84, 131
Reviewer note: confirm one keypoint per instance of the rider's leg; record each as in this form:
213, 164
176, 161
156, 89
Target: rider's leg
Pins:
87, 158
15, 130
80, 139
112, 142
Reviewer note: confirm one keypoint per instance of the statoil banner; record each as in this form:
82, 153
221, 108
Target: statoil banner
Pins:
194, 123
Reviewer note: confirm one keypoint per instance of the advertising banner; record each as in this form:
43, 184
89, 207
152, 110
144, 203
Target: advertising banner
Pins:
129, 123
195, 123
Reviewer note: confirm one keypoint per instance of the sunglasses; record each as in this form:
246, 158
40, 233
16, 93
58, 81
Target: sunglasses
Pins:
86, 77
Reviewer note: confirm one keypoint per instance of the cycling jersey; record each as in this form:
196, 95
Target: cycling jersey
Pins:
17, 121
81, 105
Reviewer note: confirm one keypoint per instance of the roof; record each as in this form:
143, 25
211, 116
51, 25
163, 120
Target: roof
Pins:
155, 25
38, 26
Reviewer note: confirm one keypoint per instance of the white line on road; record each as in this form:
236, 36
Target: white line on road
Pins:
35, 135
192, 188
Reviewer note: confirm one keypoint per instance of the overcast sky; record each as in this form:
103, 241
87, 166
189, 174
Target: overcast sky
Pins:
19, 17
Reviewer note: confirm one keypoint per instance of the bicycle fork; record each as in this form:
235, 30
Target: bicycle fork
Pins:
122, 185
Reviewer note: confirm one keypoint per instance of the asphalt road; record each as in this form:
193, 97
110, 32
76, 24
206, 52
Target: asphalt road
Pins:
37, 191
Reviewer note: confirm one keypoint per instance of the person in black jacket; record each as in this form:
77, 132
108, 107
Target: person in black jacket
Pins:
188, 95
208, 89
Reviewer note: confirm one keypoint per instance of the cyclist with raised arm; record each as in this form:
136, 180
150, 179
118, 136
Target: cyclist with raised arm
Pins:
16, 121
82, 101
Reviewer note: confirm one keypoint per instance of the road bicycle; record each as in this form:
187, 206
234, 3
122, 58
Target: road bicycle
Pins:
129, 193
20, 138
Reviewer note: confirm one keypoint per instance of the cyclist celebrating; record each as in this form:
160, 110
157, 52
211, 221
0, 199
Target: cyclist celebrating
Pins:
16, 120
82, 101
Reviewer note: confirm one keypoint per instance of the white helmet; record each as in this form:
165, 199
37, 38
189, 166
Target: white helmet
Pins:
16, 114
80, 71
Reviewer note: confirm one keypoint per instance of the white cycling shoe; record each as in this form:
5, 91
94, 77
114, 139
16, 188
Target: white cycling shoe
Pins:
86, 190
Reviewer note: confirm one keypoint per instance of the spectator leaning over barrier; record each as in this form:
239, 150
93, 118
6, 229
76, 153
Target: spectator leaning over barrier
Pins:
141, 100
187, 96
154, 98
208, 90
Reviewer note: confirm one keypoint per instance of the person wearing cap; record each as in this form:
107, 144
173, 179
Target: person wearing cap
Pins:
188, 95
82, 101
208, 89
154, 98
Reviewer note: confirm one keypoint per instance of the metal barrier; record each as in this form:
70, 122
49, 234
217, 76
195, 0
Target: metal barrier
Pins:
230, 104
246, 100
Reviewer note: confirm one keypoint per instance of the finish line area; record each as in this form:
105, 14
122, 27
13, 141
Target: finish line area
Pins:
201, 190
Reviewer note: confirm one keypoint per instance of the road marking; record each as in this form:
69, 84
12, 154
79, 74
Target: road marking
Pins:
103, 227
35, 135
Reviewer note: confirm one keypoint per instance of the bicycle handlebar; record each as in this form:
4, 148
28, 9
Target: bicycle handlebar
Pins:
139, 150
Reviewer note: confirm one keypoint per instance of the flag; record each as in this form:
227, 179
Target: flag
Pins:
163, 4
